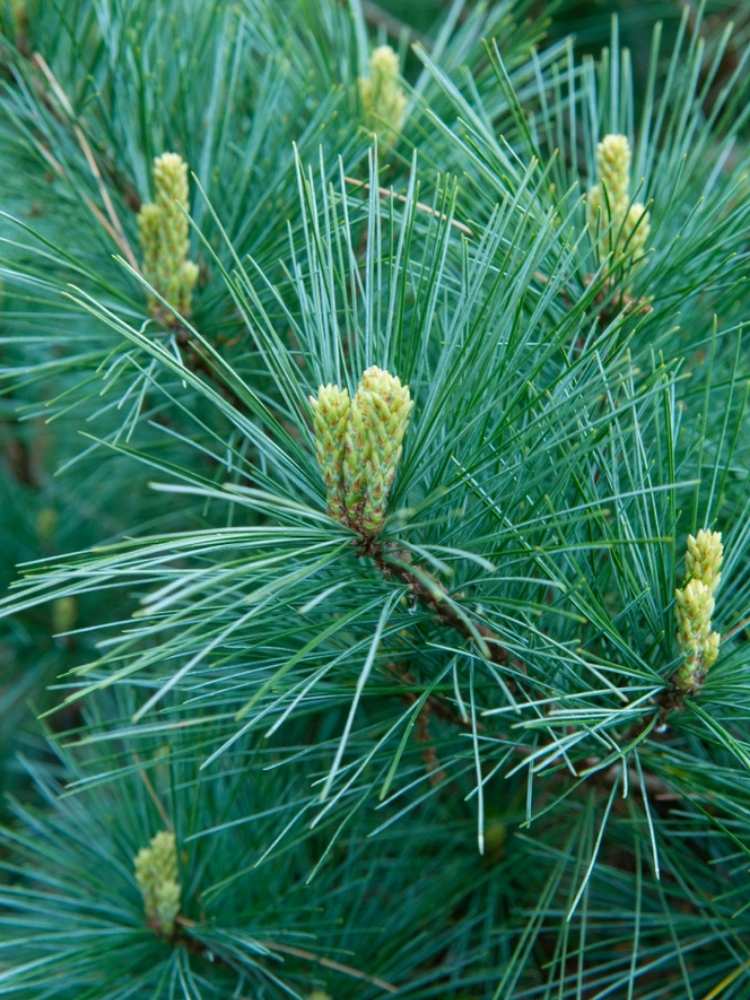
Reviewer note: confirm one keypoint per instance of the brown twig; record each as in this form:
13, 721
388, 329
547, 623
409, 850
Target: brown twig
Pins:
622, 303
152, 793
59, 170
329, 963
736, 629
436, 704
111, 223
20, 460
433, 705
197, 362
108, 166
429, 753
655, 786
419, 205
197, 947
392, 563
422, 206
666, 702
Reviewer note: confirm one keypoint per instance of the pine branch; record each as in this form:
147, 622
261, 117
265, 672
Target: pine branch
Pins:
420, 206
435, 703
329, 963
423, 587
196, 360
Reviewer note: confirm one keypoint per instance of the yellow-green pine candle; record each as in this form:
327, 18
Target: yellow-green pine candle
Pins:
613, 163
149, 226
602, 223
595, 208
695, 607
355, 464
20, 15
377, 425
621, 229
166, 906
46, 523
383, 99
704, 557
165, 236
495, 838
636, 232
184, 295
358, 444
330, 417
156, 875
171, 189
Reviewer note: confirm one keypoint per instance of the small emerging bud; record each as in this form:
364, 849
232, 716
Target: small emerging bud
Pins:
165, 240
358, 446
704, 557
377, 424
156, 875
620, 229
636, 231
695, 607
331, 410
383, 99
613, 164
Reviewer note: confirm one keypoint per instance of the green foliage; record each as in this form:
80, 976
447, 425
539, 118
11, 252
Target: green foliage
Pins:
403, 670
250, 922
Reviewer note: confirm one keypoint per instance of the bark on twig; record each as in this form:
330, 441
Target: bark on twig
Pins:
198, 948
436, 600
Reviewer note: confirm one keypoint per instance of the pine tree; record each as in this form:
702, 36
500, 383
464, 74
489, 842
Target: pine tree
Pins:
374, 474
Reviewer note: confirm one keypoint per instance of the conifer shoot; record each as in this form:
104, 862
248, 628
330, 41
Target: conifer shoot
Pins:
695, 607
383, 99
358, 446
165, 242
156, 875
618, 227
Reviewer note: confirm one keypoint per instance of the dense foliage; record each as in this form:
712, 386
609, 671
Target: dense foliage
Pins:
373, 418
